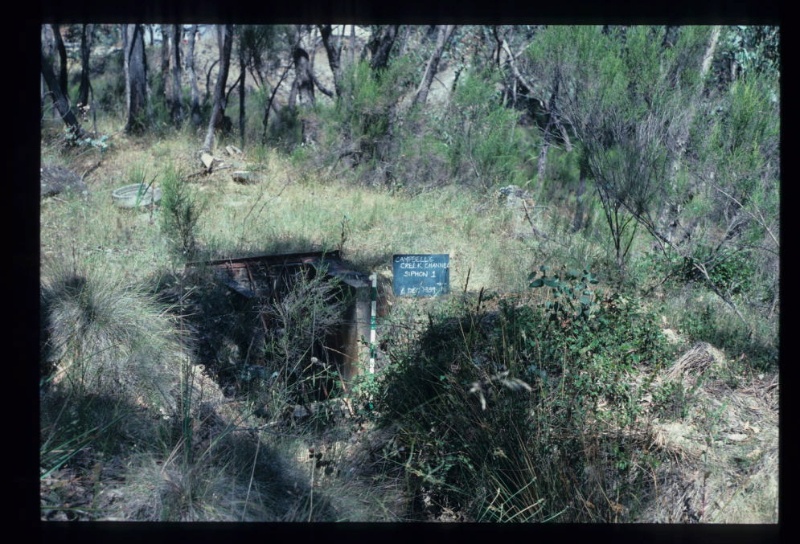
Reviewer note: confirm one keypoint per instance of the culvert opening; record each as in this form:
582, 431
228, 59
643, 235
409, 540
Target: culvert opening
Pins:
290, 322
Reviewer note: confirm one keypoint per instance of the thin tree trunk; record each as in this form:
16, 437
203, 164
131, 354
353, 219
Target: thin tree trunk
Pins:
166, 89
352, 44
48, 45
196, 117
165, 59
304, 90
271, 100
242, 76
60, 101
126, 66
62, 55
208, 81
136, 80
177, 107
380, 45
333, 48
224, 42
442, 36
86, 47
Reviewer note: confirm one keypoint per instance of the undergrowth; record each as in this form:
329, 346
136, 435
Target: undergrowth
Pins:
526, 410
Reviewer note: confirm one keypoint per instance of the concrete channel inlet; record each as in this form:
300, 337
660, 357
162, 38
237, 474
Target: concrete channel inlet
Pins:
267, 278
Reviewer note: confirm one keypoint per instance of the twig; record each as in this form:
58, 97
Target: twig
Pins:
90, 170
760, 217
536, 231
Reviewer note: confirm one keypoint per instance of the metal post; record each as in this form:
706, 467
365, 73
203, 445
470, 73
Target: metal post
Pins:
373, 295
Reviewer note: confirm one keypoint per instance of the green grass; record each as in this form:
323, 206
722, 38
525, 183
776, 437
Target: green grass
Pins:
121, 392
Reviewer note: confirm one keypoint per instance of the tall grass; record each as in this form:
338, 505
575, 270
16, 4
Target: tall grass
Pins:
105, 337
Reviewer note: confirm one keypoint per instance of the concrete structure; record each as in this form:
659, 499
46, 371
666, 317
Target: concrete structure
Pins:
270, 277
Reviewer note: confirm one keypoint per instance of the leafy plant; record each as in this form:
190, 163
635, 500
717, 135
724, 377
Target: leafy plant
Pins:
513, 382
572, 299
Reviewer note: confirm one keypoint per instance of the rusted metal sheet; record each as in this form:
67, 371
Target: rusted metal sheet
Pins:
264, 275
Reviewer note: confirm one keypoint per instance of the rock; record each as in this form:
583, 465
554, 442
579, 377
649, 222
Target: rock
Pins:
241, 176
207, 160
514, 196
736, 437
57, 179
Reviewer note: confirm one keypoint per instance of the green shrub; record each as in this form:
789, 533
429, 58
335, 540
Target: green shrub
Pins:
504, 413
180, 212
360, 120
729, 271
480, 133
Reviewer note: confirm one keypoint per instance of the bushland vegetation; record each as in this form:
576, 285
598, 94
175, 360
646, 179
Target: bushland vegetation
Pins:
609, 197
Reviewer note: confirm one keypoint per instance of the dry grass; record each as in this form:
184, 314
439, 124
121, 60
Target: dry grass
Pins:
724, 454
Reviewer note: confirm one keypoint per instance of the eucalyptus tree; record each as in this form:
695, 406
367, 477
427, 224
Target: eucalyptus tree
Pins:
62, 57
194, 105
176, 93
60, 101
380, 46
333, 48
444, 32
224, 44
137, 108
87, 39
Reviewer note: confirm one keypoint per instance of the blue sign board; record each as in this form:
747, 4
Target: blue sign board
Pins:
421, 275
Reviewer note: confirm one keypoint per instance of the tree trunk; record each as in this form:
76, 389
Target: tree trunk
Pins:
86, 47
126, 65
333, 47
578, 218
197, 118
135, 80
243, 78
224, 42
60, 101
305, 81
177, 93
380, 45
548, 134
48, 48
63, 82
270, 102
304, 87
165, 59
443, 35
352, 44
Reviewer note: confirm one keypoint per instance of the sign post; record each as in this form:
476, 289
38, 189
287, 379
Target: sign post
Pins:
421, 275
373, 295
